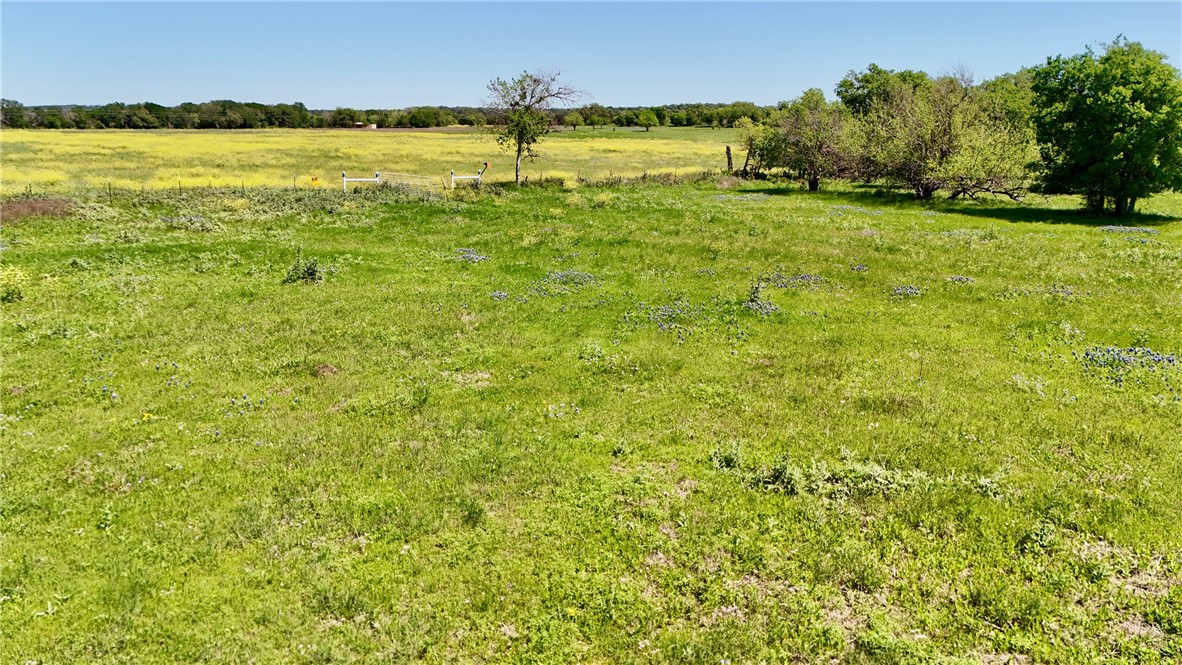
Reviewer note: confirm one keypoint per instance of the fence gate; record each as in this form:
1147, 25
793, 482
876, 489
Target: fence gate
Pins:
376, 179
477, 177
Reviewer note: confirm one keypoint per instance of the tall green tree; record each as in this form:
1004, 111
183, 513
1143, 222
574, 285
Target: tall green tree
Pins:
574, 119
345, 117
995, 148
860, 91
523, 104
908, 133
1009, 99
991, 156
1109, 126
813, 136
647, 119
596, 115
945, 135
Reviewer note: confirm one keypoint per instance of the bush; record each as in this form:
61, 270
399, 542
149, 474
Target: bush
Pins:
726, 458
12, 282
846, 480
305, 270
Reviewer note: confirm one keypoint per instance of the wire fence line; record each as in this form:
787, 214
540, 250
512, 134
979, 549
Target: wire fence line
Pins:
436, 184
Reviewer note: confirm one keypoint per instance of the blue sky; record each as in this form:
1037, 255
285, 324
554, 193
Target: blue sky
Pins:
393, 55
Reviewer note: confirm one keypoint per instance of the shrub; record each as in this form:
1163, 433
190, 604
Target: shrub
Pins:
305, 270
12, 282
756, 303
726, 458
846, 480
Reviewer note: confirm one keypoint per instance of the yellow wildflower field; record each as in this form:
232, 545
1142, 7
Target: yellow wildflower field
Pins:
46, 160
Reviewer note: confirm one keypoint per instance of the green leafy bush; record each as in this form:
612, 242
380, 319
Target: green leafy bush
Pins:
12, 282
308, 270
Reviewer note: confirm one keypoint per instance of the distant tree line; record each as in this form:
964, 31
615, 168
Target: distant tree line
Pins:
224, 114
229, 114
220, 114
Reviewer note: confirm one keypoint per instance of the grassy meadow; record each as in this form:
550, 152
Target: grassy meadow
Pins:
709, 422
67, 161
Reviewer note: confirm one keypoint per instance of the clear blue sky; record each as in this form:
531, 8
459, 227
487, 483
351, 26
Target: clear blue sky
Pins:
393, 55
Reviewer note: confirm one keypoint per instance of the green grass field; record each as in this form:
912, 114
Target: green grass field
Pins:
702, 423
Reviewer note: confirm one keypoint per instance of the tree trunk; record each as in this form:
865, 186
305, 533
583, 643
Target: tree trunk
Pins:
730, 164
1124, 205
814, 183
517, 173
1119, 205
1094, 202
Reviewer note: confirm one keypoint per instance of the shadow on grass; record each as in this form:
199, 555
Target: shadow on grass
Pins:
1035, 215
1005, 211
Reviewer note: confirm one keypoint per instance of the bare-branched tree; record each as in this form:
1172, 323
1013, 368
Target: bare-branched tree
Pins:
523, 104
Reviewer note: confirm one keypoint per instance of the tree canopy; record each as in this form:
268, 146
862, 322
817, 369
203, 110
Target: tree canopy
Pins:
647, 119
859, 91
813, 135
1109, 126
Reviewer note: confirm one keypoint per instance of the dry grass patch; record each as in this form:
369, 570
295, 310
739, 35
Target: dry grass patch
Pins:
11, 211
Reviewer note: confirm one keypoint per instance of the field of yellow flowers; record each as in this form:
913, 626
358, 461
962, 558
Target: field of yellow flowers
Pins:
65, 161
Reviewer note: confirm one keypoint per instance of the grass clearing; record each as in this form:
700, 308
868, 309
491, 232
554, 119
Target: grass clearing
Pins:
630, 424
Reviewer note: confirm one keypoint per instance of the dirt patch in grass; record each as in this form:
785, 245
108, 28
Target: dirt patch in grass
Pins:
1137, 627
10, 211
658, 560
1003, 659
470, 379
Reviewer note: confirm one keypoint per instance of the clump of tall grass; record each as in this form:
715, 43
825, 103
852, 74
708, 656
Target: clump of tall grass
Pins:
306, 270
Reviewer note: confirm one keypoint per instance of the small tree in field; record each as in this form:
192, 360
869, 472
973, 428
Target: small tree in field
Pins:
523, 104
574, 119
596, 115
1109, 127
647, 119
763, 144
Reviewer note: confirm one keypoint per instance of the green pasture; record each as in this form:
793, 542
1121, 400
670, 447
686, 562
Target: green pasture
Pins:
708, 422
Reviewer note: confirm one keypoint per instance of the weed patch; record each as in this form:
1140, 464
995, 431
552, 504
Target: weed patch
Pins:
306, 270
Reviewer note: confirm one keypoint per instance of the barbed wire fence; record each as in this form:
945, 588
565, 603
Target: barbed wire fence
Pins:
431, 185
